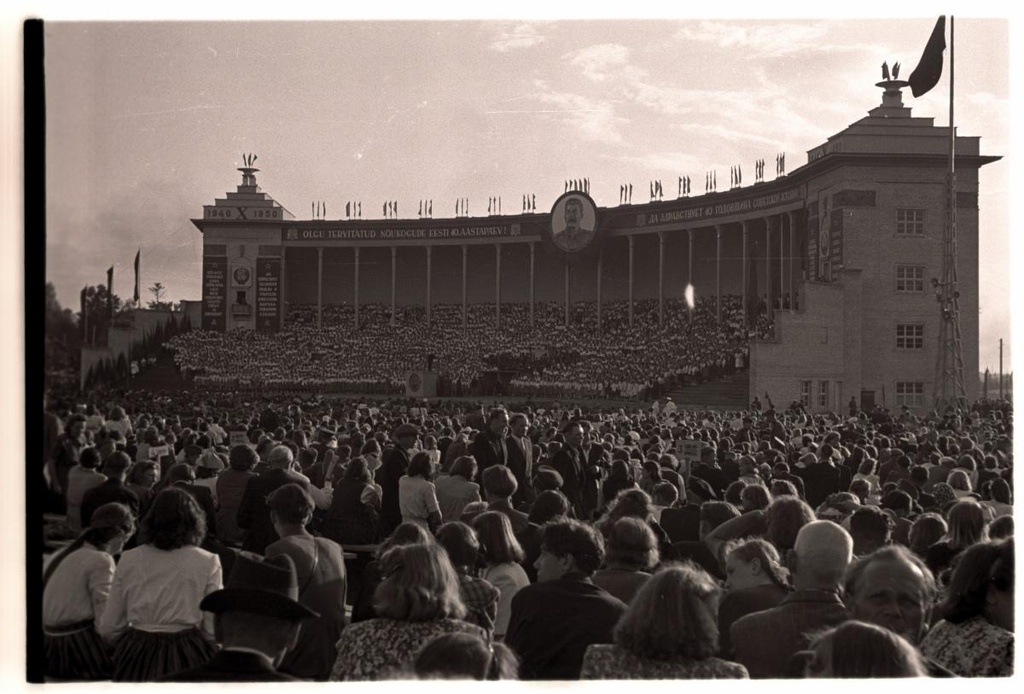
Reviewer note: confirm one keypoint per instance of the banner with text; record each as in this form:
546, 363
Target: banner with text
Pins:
294, 235
268, 294
215, 271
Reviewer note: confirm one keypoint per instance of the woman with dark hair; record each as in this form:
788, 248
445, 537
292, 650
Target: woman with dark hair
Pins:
456, 489
650, 475
960, 482
631, 552
152, 614
928, 528
975, 636
967, 522
465, 657
478, 594
417, 601
755, 497
320, 573
619, 478
1001, 528
230, 490
755, 580
857, 649
354, 515
142, 479
117, 421
417, 497
76, 584
1000, 499
503, 557
669, 631
404, 534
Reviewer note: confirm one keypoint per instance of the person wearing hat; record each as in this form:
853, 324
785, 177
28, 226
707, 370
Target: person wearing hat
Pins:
392, 469
257, 620
208, 470
76, 584
115, 468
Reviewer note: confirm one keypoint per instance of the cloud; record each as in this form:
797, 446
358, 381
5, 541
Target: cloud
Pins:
521, 36
591, 118
766, 39
601, 61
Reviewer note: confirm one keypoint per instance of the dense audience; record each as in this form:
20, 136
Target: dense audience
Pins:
211, 538
546, 359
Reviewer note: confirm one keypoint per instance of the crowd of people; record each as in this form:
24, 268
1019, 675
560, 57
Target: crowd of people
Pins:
545, 358
204, 538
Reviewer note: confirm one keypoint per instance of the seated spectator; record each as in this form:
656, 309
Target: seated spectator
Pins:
417, 499
755, 581
669, 631
620, 477
354, 515
1001, 528
257, 618
417, 601
152, 615
631, 554
550, 505
479, 595
76, 584
860, 650
928, 528
765, 641
81, 478
975, 636
457, 489
665, 495
966, 521
713, 515
565, 596
363, 601
141, 480
465, 657
320, 572
870, 529
499, 486
502, 557
755, 497
113, 490
1000, 501
230, 489
253, 513
960, 483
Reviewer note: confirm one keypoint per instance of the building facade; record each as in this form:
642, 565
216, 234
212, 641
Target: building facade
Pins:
842, 250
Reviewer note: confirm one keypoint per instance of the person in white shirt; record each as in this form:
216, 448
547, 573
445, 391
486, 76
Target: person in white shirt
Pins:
417, 498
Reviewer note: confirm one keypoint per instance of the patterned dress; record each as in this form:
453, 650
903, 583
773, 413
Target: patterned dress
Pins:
974, 648
381, 649
609, 662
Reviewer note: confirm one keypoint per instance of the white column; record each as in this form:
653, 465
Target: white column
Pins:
394, 270
689, 271
631, 242
718, 273
355, 281
465, 261
497, 285
429, 249
661, 278
319, 287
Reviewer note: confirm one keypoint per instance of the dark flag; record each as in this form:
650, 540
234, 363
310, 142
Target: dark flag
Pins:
347, 208
929, 69
534, 202
85, 317
631, 192
360, 209
138, 257
752, 300
431, 212
110, 291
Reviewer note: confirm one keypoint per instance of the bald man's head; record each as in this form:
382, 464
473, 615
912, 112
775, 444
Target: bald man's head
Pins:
821, 555
280, 458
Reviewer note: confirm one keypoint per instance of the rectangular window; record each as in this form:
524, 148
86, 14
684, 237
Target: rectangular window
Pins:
909, 336
909, 222
910, 279
910, 393
805, 393
823, 394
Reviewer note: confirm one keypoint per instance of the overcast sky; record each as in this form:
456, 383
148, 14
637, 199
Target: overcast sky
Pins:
147, 122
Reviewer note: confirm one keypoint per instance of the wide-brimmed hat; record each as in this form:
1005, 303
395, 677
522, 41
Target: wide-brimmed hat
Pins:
267, 587
211, 461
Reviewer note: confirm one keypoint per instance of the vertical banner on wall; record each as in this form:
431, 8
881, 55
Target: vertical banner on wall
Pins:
836, 240
215, 270
268, 294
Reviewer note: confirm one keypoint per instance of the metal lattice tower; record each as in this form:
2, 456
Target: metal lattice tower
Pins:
949, 367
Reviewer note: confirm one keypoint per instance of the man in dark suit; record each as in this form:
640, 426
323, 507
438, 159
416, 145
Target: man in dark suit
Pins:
554, 620
256, 621
820, 477
489, 446
709, 471
393, 465
570, 463
520, 458
253, 514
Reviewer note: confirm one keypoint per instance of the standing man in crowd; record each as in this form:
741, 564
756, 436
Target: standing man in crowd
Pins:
489, 447
393, 467
571, 464
520, 458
